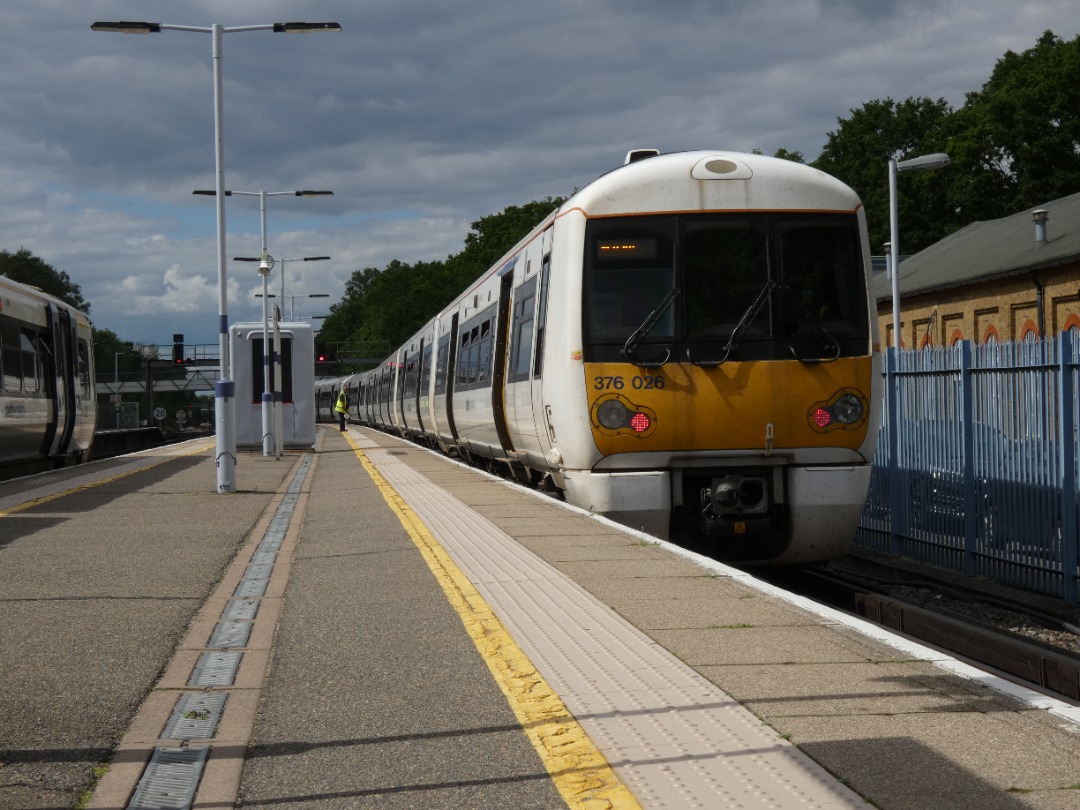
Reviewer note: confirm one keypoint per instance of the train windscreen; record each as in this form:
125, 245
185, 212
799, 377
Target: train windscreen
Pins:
718, 287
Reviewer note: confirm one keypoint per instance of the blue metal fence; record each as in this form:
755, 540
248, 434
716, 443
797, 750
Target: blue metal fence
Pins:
976, 465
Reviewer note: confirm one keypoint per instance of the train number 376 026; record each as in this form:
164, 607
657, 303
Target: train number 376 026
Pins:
617, 382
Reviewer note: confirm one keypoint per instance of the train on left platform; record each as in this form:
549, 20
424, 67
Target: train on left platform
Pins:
47, 408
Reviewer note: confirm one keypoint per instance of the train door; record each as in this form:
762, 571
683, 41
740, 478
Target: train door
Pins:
539, 405
498, 377
67, 358
444, 385
525, 391
54, 345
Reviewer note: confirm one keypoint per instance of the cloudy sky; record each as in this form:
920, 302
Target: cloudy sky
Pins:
421, 116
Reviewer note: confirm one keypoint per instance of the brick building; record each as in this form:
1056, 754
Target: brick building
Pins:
1002, 280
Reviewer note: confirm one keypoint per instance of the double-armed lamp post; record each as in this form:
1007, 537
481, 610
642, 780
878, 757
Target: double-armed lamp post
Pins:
225, 389
266, 264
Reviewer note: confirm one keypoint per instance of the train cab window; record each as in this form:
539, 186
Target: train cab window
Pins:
725, 270
820, 270
629, 275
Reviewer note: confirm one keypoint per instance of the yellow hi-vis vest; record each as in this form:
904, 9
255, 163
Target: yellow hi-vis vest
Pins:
342, 405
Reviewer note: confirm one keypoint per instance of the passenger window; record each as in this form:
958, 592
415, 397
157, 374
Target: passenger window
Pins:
522, 342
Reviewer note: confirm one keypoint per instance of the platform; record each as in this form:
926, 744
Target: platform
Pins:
408, 632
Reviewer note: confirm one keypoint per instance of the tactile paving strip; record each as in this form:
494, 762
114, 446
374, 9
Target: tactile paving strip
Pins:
674, 738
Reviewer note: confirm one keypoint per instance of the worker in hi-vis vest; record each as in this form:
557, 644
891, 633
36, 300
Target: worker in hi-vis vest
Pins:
342, 408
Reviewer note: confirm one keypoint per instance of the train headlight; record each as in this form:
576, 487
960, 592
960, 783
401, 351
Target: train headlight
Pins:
846, 410
615, 414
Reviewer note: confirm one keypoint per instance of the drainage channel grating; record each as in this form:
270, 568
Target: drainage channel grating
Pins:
230, 634
196, 716
251, 587
170, 779
216, 669
240, 610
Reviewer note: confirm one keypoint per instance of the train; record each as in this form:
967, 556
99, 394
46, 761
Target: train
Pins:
47, 402
686, 346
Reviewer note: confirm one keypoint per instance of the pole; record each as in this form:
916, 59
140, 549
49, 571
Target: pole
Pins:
894, 249
279, 388
267, 395
225, 389
116, 383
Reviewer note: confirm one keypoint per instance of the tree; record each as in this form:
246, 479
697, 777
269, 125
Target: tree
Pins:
385, 307
1019, 137
26, 268
112, 355
858, 153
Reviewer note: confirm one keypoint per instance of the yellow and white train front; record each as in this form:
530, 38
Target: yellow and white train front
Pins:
726, 355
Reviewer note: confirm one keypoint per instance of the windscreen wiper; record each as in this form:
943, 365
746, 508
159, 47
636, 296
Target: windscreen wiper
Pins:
828, 342
736, 334
646, 325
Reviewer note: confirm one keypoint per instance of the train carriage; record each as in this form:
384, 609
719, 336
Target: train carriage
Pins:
684, 346
47, 408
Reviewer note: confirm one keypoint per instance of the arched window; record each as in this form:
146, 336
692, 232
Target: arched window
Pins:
990, 335
1029, 331
927, 341
1072, 324
956, 337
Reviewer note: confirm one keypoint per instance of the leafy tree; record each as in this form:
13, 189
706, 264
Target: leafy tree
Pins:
26, 268
858, 153
383, 308
1018, 138
1014, 145
112, 355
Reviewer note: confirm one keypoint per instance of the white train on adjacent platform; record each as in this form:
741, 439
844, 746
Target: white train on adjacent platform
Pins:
47, 409
687, 345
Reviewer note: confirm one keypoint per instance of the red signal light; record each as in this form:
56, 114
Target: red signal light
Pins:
822, 417
640, 422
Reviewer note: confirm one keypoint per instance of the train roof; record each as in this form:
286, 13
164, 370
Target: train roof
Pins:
28, 292
712, 181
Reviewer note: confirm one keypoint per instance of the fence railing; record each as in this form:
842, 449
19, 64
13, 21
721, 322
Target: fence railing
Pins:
976, 465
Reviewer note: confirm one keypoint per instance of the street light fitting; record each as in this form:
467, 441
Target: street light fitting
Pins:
126, 27
132, 27
209, 192
938, 160
304, 28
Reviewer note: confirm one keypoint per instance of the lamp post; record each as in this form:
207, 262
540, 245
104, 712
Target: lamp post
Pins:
298, 259
279, 401
924, 163
225, 389
266, 264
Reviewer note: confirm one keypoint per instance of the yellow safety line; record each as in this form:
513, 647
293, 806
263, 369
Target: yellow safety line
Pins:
19, 507
578, 769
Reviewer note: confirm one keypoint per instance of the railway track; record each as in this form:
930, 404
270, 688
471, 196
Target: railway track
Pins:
1042, 651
